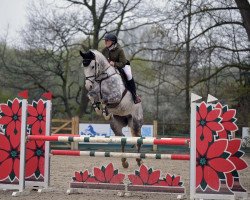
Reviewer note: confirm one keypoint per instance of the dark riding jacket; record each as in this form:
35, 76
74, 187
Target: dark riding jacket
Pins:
116, 55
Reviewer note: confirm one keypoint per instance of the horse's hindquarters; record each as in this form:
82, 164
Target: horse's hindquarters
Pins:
127, 107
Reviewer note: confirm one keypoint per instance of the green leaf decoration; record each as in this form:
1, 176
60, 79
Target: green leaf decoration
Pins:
203, 184
233, 120
9, 103
37, 173
225, 109
225, 155
239, 154
180, 183
221, 176
209, 108
214, 133
235, 174
12, 176
217, 120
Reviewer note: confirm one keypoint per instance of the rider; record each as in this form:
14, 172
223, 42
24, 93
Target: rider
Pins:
116, 57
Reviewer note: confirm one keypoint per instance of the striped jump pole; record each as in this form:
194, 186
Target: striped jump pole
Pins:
121, 155
113, 139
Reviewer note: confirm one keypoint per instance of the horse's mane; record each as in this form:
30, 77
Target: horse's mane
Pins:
101, 59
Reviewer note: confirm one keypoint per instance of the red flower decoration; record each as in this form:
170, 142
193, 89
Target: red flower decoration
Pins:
35, 149
11, 120
207, 124
211, 163
81, 176
103, 175
235, 157
36, 117
35, 158
170, 181
145, 176
228, 121
9, 159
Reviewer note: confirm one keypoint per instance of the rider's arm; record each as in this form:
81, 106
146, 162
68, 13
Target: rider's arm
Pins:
105, 52
122, 59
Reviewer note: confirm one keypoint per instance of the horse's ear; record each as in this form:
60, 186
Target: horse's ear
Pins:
88, 55
82, 54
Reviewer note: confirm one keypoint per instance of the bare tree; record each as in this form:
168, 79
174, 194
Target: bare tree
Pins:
104, 16
208, 43
244, 7
47, 61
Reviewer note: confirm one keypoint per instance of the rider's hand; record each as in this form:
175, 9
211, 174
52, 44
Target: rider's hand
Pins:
112, 63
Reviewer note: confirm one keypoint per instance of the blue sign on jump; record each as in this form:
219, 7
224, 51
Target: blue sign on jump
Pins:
105, 130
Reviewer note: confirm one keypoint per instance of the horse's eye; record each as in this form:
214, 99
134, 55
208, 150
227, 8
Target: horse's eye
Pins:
93, 67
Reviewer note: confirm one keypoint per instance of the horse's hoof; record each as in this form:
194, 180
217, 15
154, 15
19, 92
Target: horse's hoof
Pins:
98, 111
139, 161
125, 164
107, 117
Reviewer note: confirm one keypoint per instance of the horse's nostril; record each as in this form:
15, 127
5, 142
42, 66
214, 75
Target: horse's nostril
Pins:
90, 87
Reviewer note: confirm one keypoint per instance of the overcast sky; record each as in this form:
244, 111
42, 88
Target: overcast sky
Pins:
12, 15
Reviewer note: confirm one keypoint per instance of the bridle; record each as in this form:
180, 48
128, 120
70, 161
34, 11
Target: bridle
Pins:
95, 77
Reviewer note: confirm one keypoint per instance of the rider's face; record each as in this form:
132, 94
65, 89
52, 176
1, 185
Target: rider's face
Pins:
108, 43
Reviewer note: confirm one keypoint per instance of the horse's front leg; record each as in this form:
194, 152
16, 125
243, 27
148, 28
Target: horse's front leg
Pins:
105, 112
95, 105
138, 160
117, 123
124, 160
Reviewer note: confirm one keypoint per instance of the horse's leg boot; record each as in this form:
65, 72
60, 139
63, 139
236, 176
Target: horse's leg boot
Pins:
97, 108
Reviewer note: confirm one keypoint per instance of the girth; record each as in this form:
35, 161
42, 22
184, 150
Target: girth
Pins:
113, 105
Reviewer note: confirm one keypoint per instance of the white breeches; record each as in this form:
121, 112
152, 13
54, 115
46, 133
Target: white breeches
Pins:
127, 70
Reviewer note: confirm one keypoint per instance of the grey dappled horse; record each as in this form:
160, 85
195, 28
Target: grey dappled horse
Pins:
109, 96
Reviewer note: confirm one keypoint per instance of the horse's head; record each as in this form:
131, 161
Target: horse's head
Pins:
90, 68
93, 63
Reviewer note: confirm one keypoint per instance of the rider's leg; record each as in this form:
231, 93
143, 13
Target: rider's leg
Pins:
131, 84
132, 89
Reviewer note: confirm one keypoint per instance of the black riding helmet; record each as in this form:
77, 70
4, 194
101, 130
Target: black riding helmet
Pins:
111, 37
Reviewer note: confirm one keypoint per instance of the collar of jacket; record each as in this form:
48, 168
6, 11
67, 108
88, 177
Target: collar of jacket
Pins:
112, 47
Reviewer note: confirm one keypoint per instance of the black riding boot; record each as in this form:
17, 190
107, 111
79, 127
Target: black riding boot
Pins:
132, 88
